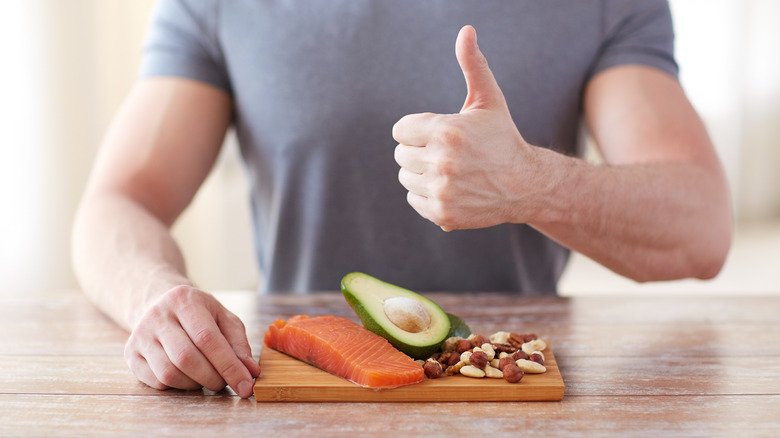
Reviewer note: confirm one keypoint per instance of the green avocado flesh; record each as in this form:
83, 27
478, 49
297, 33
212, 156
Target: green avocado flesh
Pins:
458, 327
367, 295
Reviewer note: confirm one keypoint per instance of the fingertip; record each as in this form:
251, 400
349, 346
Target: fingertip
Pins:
244, 389
467, 37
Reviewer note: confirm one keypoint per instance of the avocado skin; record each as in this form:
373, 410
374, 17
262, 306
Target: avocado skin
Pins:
415, 351
458, 327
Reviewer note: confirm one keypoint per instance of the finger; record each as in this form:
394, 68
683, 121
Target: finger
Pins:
411, 158
482, 89
165, 371
187, 358
142, 372
414, 129
235, 333
204, 333
420, 204
413, 182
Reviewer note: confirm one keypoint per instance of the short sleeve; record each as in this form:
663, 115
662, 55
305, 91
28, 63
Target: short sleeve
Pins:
637, 32
182, 41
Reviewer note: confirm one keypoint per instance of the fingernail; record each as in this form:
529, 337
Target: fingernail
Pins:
245, 389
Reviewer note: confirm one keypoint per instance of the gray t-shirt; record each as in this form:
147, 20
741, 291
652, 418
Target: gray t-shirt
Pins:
317, 86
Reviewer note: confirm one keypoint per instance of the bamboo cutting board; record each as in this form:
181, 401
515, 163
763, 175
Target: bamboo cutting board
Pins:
286, 379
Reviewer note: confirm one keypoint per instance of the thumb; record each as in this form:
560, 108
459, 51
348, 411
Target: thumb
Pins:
483, 91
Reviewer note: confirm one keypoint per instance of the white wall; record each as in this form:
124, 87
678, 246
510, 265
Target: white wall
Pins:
729, 51
69, 63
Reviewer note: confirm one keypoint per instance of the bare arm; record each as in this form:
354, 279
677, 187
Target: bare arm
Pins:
658, 210
158, 151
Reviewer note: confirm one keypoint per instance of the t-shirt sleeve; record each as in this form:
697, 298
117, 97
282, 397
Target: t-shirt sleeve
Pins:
183, 41
637, 32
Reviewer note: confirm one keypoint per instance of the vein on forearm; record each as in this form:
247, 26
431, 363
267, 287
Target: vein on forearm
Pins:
645, 221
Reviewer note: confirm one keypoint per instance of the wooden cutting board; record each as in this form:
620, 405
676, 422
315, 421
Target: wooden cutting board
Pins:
285, 379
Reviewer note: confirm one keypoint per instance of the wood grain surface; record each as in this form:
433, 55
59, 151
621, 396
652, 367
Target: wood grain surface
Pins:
286, 379
633, 366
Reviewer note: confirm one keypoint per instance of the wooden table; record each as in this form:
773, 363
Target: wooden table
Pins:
634, 365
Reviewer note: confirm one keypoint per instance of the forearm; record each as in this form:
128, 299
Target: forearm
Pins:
123, 256
654, 221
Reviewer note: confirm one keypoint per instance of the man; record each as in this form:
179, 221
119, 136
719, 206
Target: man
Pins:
315, 91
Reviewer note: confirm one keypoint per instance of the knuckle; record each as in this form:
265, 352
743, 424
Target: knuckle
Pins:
179, 295
204, 339
242, 348
237, 321
410, 199
397, 129
446, 167
169, 374
184, 358
397, 154
450, 135
441, 192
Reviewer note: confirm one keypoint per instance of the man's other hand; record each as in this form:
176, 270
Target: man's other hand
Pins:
188, 340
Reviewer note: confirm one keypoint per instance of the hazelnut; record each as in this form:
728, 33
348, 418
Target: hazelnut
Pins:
512, 373
488, 349
479, 359
463, 345
478, 340
454, 358
504, 362
433, 369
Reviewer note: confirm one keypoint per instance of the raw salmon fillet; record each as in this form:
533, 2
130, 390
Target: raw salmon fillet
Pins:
341, 347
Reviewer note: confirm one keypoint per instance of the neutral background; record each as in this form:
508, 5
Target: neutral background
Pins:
68, 64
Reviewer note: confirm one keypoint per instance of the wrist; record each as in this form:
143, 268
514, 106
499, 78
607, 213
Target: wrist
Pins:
548, 187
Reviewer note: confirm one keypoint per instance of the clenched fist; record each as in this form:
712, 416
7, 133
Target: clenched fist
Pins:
472, 169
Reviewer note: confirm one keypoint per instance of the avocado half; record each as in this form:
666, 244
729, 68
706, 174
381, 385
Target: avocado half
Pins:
372, 299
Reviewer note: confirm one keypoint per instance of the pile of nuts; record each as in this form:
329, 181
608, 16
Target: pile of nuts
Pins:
503, 355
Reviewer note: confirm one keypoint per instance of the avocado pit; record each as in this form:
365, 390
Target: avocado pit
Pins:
407, 314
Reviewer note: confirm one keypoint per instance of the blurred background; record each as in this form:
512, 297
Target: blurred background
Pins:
68, 65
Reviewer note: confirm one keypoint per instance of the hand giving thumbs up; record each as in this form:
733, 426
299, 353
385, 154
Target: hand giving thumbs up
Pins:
471, 169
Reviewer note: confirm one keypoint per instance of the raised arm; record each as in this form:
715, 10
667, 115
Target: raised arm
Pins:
158, 150
657, 210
